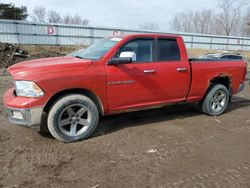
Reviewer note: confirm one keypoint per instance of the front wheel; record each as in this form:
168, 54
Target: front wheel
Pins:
73, 118
216, 100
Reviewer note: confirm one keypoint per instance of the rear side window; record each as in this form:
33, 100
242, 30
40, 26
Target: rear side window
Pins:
234, 57
224, 57
168, 50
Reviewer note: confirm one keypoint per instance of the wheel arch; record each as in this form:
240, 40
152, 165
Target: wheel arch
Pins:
85, 92
223, 79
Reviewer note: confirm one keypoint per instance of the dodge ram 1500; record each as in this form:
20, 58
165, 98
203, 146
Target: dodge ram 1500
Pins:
115, 75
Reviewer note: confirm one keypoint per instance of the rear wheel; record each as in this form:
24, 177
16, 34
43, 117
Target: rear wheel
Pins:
216, 100
73, 118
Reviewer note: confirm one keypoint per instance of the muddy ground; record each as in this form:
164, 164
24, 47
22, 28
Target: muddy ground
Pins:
175, 146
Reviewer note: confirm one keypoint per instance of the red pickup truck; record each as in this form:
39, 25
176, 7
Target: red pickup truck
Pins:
115, 75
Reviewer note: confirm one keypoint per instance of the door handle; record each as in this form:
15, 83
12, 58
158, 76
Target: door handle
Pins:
182, 69
149, 71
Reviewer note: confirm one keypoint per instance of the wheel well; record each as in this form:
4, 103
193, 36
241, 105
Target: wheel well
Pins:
224, 80
85, 92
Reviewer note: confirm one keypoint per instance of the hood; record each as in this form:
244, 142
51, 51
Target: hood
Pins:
40, 67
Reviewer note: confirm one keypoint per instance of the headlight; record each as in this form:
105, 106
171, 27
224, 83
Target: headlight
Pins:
28, 89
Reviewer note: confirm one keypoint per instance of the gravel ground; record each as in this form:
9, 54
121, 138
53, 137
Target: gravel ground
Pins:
175, 146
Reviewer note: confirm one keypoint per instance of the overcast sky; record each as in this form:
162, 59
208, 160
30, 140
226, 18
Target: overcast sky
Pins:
120, 13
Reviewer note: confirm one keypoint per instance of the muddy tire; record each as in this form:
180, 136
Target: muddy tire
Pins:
73, 118
215, 101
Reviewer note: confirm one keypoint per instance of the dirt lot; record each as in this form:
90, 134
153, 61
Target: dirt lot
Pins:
175, 146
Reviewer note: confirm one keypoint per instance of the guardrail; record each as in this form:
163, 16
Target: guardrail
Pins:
23, 32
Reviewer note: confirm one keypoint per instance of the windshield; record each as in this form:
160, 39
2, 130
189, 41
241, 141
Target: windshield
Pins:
96, 50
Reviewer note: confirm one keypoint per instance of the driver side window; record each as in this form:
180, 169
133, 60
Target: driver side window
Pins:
141, 50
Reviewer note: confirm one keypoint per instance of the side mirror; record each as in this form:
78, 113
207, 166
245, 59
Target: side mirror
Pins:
130, 54
120, 60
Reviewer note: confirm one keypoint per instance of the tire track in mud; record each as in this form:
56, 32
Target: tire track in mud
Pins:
4, 136
7, 164
45, 162
229, 177
153, 162
186, 148
3, 114
217, 178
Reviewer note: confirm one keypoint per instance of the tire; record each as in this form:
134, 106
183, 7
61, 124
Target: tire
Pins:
73, 118
216, 100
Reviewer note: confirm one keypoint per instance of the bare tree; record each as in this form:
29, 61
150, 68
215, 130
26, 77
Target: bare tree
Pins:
54, 17
176, 23
203, 22
85, 21
67, 19
39, 14
183, 22
76, 19
149, 26
229, 16
229, 20
245, 24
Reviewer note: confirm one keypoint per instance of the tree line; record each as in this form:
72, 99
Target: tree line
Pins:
232, 17
39, 14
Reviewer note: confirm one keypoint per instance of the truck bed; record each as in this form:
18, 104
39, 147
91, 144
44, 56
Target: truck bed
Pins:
210, 60
205, 70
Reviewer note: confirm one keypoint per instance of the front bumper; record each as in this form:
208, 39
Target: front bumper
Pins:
22, 110
30, 117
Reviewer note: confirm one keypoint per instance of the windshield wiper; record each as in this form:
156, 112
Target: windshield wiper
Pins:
77, 56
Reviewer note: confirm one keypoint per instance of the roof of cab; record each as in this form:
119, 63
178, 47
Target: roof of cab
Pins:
147, 35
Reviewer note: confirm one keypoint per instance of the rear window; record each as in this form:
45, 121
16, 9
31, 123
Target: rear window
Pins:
168, 50
234, 57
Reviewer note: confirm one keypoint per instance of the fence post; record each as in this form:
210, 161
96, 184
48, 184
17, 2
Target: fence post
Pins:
242, 46
16, 27
211, 43
57, 35
91, 35
227, 44
192, 41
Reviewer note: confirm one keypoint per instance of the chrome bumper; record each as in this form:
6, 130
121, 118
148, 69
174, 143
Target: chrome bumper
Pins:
26, 117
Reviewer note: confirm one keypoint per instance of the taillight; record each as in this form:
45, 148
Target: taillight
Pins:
245, 73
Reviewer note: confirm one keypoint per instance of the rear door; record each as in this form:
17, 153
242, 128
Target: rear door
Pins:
173, 70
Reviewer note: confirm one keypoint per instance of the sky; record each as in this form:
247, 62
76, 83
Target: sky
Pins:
120, 13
